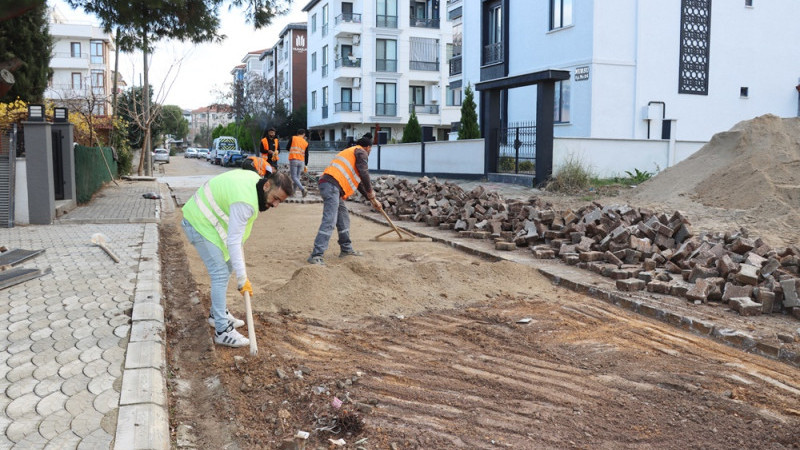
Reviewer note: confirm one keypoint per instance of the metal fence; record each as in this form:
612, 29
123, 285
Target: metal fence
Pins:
91, 171
517, 148
8, 157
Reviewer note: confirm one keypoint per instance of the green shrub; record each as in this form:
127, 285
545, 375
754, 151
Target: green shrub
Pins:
506, 164
526, 166
572, 177
638, 176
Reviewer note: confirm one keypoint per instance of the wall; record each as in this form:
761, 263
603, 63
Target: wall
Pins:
21, 216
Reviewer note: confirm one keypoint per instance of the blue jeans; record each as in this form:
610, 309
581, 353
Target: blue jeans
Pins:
334, 214
295, 169
219, 271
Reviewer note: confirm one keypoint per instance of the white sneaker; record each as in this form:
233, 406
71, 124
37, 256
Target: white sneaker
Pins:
231, 338
236, 322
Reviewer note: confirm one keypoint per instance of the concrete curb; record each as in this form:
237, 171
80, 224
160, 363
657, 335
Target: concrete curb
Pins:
143, 419
739, 339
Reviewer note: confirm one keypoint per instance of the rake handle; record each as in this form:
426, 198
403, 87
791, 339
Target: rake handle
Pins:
391, 224
251, 331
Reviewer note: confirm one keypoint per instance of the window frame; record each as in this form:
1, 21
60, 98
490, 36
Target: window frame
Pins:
80, 80
558, 7
72, 52
313, 100
93, 45
384, 47
562, 104
314, 61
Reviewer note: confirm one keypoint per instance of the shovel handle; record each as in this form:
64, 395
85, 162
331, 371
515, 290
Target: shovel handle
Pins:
251, 331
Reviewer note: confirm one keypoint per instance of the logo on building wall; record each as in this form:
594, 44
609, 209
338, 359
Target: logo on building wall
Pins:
581, 73
300, 41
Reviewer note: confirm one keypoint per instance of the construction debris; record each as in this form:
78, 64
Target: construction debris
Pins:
637, 247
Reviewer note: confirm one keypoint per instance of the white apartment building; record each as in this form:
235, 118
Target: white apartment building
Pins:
371, 62
639, 70
82, 66
284, 67
209, 117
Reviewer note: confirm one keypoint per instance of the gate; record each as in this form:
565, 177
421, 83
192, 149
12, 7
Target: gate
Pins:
8, 158
516, 148
58, 165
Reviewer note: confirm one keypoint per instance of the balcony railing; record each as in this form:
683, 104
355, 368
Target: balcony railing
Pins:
455, 65
423, 109
324, 29
70, 55
493, 53
386, 21
386, 65
347, 62
385, 109
325, 112
455, 13
424, 23
457, 48
347, 107
347, 17
424, 65
324, 70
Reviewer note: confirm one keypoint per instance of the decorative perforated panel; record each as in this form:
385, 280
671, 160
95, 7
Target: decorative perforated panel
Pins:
695, 46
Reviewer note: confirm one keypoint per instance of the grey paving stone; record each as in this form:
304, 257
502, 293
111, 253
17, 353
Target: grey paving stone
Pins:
145, 354
142, 386
44, 345
55, 424
147, 330
22, 407
122, 331
23, 371
142, 427
21, 325
107, 401
48, 386
21, 387
50, 404
23, 334
65, 440
95, 368
20, 358
86, 422
79, 402
71, 369
68, 355
40, 329
75, 384
86, 343
64, 344
100, 383
47, 370
31, 440
91, 354
148, 311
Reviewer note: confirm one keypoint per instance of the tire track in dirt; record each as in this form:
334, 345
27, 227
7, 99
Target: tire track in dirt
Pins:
474, 378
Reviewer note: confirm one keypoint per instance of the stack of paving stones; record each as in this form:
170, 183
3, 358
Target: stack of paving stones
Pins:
639, 248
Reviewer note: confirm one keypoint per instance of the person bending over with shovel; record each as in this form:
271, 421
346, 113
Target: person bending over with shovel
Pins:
217, 220
347, 173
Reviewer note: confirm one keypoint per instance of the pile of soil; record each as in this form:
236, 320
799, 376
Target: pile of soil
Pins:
753, 168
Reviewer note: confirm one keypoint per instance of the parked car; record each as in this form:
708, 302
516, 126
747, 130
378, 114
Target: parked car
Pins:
232, 158
202, 153
190, 153
221, 145
161, 155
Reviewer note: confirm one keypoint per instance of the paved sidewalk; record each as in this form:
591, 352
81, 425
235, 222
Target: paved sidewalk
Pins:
83, 359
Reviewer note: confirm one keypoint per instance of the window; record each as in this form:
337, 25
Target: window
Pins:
96, 48
76, 80
325, 61
314, 23
325, 102
493, 34
386, 55
424, 54
743, 92
347, 100
385, 99
694, 53
416, 95
313, 100
748, 3
314, 61
560, 13
561, 107
98, 82
453, 96
386, 16
324, 20
75, 49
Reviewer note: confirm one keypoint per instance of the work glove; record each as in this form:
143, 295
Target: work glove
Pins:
305, 169
376, 204
246, 287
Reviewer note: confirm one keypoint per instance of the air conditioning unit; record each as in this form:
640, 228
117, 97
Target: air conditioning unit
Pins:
356, 82
356, 39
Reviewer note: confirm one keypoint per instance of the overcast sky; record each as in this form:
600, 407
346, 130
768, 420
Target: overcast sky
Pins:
197, 72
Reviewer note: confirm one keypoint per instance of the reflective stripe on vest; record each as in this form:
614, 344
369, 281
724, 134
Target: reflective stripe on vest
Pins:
343, 170
297, 152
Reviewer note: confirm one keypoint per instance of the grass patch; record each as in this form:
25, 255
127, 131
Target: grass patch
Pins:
572, 177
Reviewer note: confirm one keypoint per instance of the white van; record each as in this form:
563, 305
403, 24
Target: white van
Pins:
221, 145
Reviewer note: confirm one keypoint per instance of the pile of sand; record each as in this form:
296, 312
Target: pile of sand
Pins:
755, 165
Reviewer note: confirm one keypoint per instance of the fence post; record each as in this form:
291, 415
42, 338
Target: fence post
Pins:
422, 156
39, 172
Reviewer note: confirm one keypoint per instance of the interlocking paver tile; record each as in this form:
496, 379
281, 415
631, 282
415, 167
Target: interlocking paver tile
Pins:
43, 345
64, 344
48, 386
50, 404
71, 369
65, 440
101, 382
79, 402
22, 406
91, 354
31, 440
95, 440
20, 358
47, 370
75, 384
95, 368
106, 401
21, 387
68, 355
23, 371
86, 421
86, 343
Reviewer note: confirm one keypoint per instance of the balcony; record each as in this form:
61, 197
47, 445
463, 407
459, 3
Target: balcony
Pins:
66, 60
347, 107
386, 109
423, 109
347, 18
386, 65
493, 53
386, 21
455, 65
432, 66
423, 23
347, 62
325, 112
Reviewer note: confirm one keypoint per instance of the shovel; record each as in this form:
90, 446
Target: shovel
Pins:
403, 235
100, 240
251, 331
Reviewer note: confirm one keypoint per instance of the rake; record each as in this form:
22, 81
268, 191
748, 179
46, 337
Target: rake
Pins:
402, 234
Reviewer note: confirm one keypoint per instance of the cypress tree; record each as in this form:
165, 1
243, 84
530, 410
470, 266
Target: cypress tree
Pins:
469, 117
412, 132
26, 38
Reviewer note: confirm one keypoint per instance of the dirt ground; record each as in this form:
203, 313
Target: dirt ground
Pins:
427, 347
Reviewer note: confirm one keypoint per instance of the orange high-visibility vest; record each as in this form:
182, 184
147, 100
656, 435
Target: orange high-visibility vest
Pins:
297, 149
261, 165
343, 169
265, 147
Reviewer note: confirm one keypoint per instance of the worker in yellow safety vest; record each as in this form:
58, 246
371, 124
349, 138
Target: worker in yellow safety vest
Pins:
347, 173
217, 220
298, 159
270, 147
258, 164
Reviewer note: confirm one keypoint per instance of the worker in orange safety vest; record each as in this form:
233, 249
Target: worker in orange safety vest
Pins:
270, 147
298, 159
258, 164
